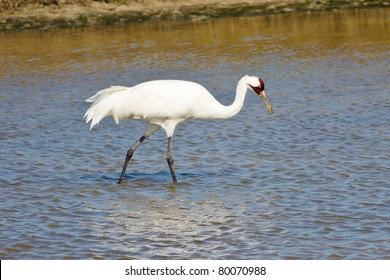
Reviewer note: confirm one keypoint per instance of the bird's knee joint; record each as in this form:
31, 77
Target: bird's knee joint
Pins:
170, 160
129, 153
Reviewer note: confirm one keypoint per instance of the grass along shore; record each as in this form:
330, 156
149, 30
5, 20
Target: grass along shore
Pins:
48, 14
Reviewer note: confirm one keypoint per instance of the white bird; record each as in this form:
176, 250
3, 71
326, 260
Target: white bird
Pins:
164, 104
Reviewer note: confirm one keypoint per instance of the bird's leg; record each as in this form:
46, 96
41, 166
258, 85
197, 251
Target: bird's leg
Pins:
170, 159
128, 157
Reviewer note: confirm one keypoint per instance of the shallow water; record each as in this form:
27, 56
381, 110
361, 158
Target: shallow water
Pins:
310, 181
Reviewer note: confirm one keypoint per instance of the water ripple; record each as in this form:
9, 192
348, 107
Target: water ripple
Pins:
310, 182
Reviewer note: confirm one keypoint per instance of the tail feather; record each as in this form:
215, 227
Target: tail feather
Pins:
105, 92
103, 105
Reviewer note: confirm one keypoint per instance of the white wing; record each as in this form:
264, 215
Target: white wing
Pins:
155, 101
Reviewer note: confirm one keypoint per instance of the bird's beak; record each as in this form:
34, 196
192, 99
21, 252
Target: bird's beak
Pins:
266, 102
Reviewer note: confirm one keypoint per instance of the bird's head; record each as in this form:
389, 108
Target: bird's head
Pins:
258, 86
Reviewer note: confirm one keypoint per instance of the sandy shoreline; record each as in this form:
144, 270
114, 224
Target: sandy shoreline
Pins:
66, 13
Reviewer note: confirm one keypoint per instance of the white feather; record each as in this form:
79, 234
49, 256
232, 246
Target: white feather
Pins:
163, 102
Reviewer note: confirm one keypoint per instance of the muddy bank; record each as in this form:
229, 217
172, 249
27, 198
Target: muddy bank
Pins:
48, 14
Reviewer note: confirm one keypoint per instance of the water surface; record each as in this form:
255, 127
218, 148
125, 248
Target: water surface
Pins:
310, 181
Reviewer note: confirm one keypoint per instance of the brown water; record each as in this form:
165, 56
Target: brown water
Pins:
311, 181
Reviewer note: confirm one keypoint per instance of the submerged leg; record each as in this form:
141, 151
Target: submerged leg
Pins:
170, 159
128, 157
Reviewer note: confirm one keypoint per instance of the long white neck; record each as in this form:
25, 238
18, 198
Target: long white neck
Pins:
225, 112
